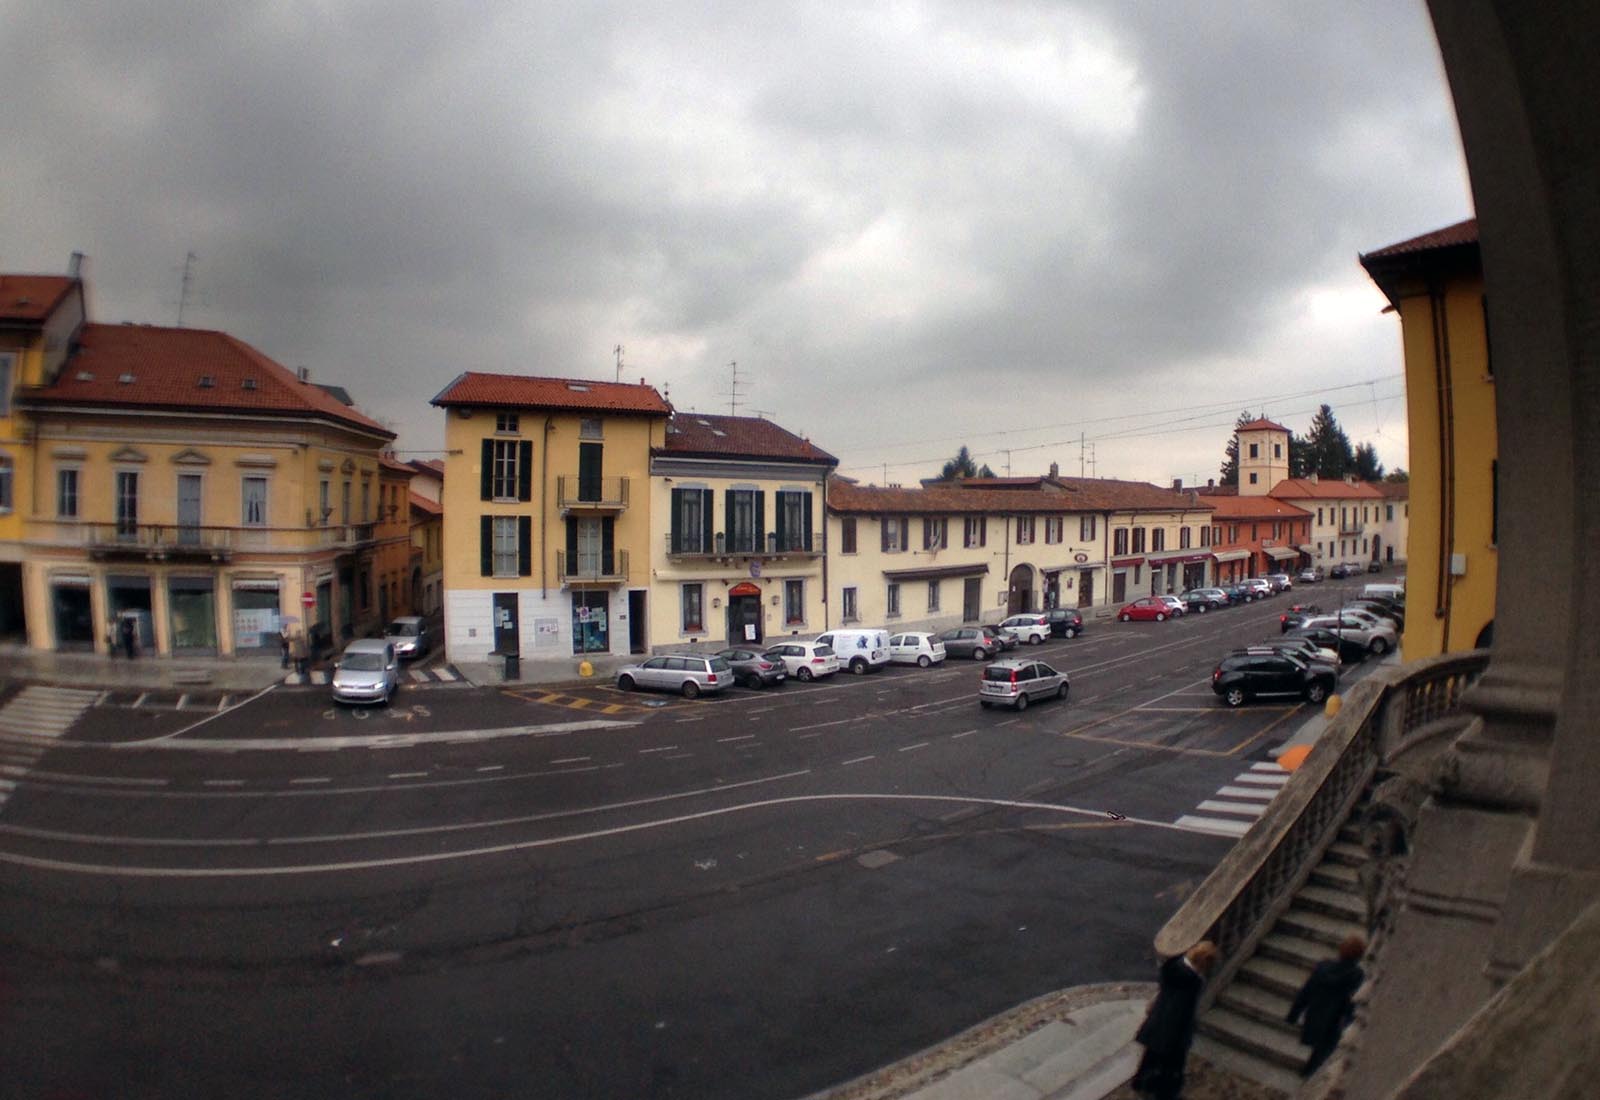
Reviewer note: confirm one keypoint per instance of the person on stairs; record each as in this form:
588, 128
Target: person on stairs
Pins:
1168, 1028
1327, 1001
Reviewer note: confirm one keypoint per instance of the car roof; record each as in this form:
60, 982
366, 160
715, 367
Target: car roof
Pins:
1012, 662
367, 645
406, 619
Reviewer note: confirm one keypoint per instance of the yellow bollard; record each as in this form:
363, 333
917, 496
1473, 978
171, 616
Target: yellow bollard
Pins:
585, 669
1331, 707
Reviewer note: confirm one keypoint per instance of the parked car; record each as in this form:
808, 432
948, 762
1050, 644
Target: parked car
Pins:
1006, 639
1179, 608
860, 651
1260, 586
1016, 683
1312, 575
1204, 599
1262, 671
1379, 638
753, 668
1306, 649
1145, 609
1064, 622
367, 672
805, 660
1349, 648
1281, 582
688, 674
1389, 609
1240, 593
1371, 615
1297, 615
916, 647
1030, 627
1396, 592
1374, 566
978, 642
410, 636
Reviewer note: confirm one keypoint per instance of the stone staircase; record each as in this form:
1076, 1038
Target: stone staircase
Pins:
1245, 1030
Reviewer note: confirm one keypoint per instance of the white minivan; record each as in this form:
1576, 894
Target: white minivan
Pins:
1385, 591
860, 651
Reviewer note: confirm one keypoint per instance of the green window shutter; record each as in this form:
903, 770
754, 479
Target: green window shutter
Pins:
761, 521
572, 546
525, 470
727, 519
778, 524
486, 482
525, 546
677, 515
485, 546
607, 544
806, 505
708, 528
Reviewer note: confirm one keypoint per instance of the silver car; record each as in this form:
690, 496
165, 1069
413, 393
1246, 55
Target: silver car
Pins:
1016, 683
367, 672
410, 636
690, 675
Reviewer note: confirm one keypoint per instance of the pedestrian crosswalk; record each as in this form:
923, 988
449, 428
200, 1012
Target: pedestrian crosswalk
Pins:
1238, 803
35, 713
438, 674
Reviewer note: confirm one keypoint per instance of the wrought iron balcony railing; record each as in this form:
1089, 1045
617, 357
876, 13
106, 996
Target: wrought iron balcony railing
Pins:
603, 494
593, 569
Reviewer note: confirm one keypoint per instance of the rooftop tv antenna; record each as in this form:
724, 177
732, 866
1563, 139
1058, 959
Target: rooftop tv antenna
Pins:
186, 285
618, 351
733, 390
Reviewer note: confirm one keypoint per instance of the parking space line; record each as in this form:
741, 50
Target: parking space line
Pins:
1248, 741
311, 779
859, 760
912, 748
408, 775
493, 768
741, 737
963, 733
586, 759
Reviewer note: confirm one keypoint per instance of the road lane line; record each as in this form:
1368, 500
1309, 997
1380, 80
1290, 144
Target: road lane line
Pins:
741, 737
408, 775
912, 748
859, 760
223, 782
822, 725
585, 759
963, 733
312, 779
678, 756
492, 768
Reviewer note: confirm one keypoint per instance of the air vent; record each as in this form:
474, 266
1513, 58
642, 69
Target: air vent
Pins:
707, 423
125, 379
576, 388
247, 384
207, 382
85, 376
718, 431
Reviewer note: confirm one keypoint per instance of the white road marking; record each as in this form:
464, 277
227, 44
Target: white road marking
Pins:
1275, 769
1214, 825
963, 733
492, 768
408, 775
859, 760
912, 748
584, 759
223, 782
741, 737
822, 725
403, 740
1263, 780
1247, 792
313, 779
1247, 809
678, 756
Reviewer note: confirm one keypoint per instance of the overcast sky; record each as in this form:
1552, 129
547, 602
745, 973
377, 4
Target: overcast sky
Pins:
912, 225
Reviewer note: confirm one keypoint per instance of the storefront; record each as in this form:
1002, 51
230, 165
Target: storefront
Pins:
128, 597
257, 614
591, 621
1232, 565
72, 611
192, 606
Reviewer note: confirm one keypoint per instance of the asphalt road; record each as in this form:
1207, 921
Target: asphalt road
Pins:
586, 893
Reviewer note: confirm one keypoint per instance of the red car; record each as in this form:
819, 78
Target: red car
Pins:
1150, 607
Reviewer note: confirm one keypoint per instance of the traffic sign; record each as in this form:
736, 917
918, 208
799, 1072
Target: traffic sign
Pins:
308, 599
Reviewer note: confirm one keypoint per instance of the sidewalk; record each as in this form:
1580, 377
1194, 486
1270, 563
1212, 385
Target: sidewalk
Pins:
19, 664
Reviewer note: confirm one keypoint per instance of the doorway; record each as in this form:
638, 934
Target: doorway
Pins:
744, 615
1020, 591
507, 636
1085, 588
971, 597
637, 641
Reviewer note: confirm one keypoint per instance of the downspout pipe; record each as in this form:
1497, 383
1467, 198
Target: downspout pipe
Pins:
1447, 466
544, 510
827, 604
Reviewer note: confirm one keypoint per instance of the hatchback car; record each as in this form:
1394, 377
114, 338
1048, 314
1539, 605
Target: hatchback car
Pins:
1305, 649
1016, 683
1260, 586
1202, 600
805, 661
1030, 627
691, 675
1257, 672
410, 637
916, 647
1281, 582
1064, 622
1179, 608
1378, 636
1311, 575
753, 669
367, 672
1349, 648
977, 642
1145, 609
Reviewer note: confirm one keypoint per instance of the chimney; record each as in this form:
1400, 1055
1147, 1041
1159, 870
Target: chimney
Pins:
1211, 483
75, 265
1312, 477
1055, 470
1177, 484
303, 373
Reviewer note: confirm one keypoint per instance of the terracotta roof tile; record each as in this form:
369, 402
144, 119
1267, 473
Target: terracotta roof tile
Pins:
1297, 488
1067, 495
169, 368
1393, 490
1465, 232
1256, 508
521, 391
691, 433
1262, 424
30, 298
425, 506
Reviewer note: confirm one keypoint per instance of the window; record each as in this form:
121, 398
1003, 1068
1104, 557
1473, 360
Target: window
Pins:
505, 546
847, 535
1158, 538
127, 501
589, 428
344, 504
794, 602
505, 423
1255, 450
255, 502
849, 608
1138, 540
1205, 536
1319, 517
1233, 532
5, 483
1053, 526
503, 480
1277, 450
744, 521
977, 531
933, 595
935, 533
892, 600
8, 361
691, 521
322, 502
1254, 532
794, 520
895, 531
693, 601
1086, 528
1183, 538
66, 493
1119, 541
366, 502
1388, 512
1024, 530
1252, 477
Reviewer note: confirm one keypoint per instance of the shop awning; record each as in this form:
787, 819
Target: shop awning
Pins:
1231, 555
1282, 553
934, 572
1307, 549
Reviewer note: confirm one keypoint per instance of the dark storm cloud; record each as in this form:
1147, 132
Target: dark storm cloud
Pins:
982, 216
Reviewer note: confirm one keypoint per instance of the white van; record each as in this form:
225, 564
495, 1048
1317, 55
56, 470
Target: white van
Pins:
1385, 591
859, 650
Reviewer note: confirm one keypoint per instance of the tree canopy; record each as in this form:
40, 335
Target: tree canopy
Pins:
962, 465
1230, 456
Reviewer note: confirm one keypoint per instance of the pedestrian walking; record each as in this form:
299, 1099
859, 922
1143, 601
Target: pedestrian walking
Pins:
129, 630
283, 646
1168, 1027
1327, 1001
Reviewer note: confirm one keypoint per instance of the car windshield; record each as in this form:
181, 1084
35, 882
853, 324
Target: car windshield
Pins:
720, 664
402, 630
824, 651
995, 672
362, 662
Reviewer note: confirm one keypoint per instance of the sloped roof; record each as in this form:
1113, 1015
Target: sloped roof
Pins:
31, 298
1237, 507
395, 466
691, 433
521, 391
1262, 424
1070, 495
1393, 490
166, 369
1299, 488
432, 466
424, 505
1463, 232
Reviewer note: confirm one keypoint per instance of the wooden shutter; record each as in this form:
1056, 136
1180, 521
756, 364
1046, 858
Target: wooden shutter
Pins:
590, 457
525, 470
760, 531
883, 533
707, 527
806, 518
779, 526
607, 545
486, 546
572, 546
486, 482
727, 520
525, 546
676, 545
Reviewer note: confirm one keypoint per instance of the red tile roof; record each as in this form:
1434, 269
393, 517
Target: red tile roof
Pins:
1262, 424
1393, 490
165, 368
1237, 507
1068, 495
1299, 488
521, 391
1450, 236
426, 466
30, 298
425, 506
394, 466
1218, 490
691, 433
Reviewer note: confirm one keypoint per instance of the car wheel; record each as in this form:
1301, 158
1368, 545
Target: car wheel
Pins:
1069, 633
1061, 692
625, 682
1234, 697
690, 689
1127, 618
754, 682
1379, 647
1203, 609
924, 661
1022, 701
804, 675
858, 665
985, 704
1160, 618
1316, 693
1037, 639
979, 653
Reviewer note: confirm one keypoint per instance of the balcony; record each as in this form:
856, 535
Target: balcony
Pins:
598, 494
691, 550
592, 568
156, 542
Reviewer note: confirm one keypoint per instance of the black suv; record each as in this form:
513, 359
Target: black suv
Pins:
1243, 676
1064, 622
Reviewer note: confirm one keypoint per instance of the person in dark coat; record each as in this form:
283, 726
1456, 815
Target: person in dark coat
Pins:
129, 631
1327, 1001
1168, 1027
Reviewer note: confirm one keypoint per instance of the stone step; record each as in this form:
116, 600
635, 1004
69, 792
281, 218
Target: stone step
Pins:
1340, 876
1350, 832
1279, 1047
1351, 855
1281, 977
1247, 1066
1265, 1006
1295, 950
1337, 903
1319, 927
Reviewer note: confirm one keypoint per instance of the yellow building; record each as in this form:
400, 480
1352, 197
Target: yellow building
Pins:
392, 552
427, 537
181, 480
546, 514
1435, 283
